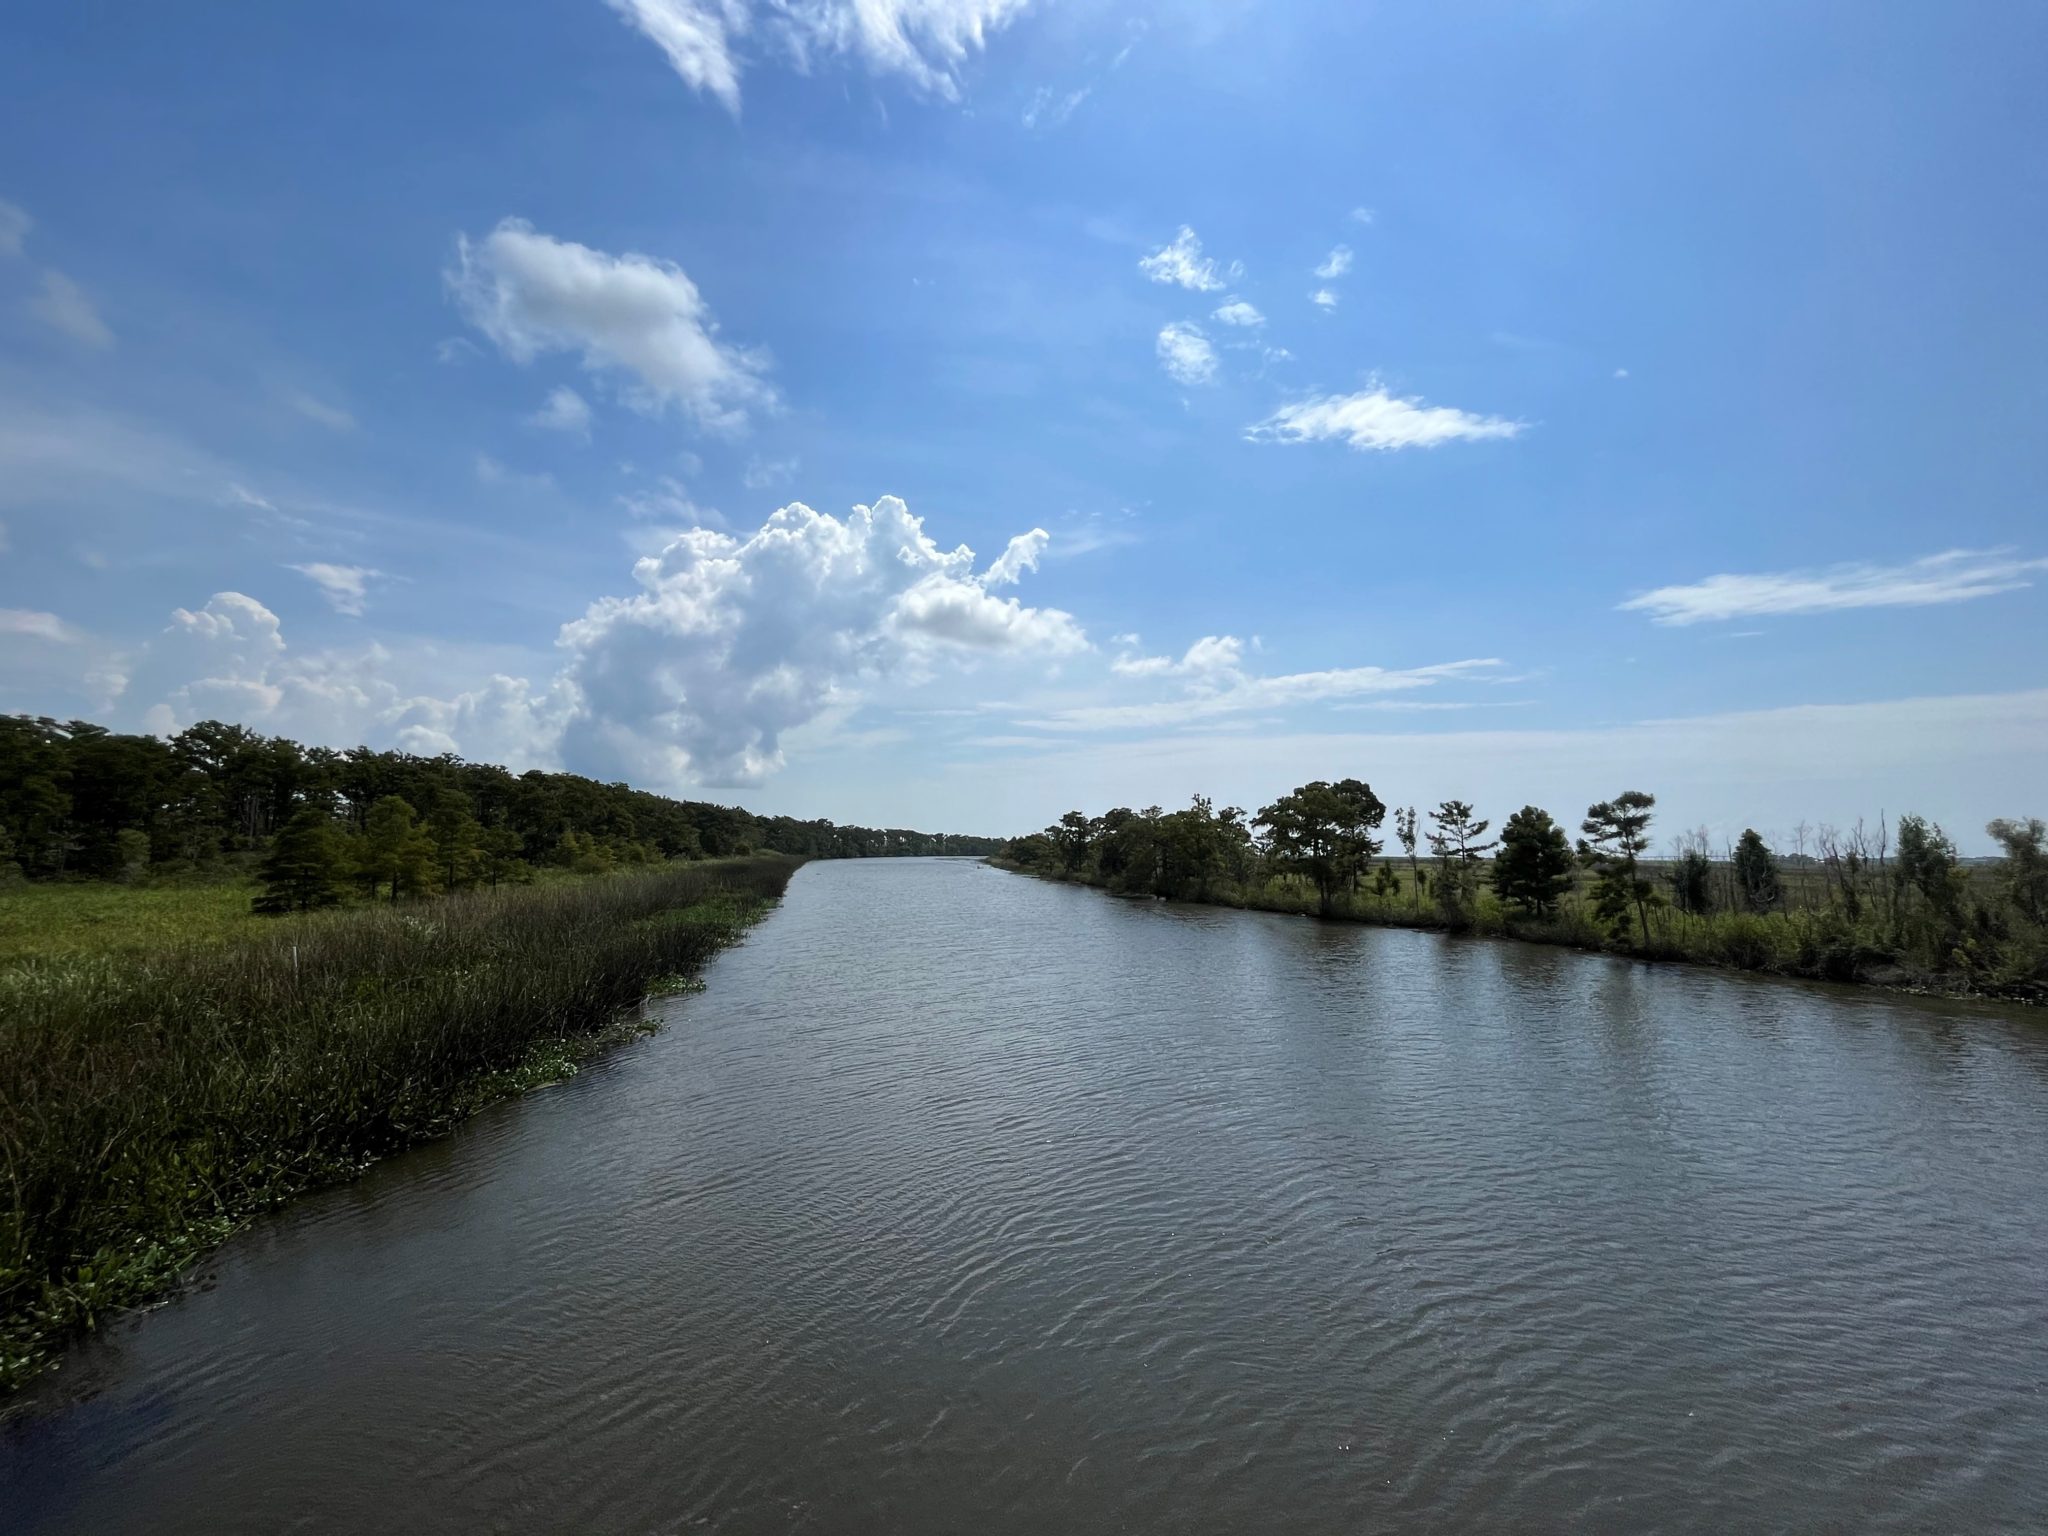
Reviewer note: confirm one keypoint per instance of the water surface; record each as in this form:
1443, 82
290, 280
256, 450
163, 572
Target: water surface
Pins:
962, 1202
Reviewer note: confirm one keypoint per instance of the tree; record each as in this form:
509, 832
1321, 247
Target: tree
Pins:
1404, 829
1756, 873
1324, 831
303, 869
1533, 869
395, 849
1455, 842
458, 850
501, 848
2026, 863
1617, 834
1071, 834
1691, 877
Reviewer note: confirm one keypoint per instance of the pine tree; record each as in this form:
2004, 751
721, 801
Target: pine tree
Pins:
1617, 833
1533, 869
303, 869
458, 851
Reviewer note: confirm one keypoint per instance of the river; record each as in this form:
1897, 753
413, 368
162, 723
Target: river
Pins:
962, 1202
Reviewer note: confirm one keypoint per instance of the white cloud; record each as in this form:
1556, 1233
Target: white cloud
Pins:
65, 306
1238, 312
697, 37
332, 417
733, 642
1323, 298
1621, 373
30, 624
669, 503
490, 472
1336, 264
761, 473
14, 227
1050, 108
565, 411
242, 496
1182, 262
1185, 354
1215, 685
1373, 419
346, 587
1021, 555
1362, 216
530, 293
1955, 576
925, 41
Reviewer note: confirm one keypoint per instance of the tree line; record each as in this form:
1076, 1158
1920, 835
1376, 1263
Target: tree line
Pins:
80, 801
1896, 904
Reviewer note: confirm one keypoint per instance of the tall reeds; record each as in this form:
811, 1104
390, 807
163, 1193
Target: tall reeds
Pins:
148, 1105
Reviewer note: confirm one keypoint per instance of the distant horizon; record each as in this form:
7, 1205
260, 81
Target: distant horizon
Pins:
958, 413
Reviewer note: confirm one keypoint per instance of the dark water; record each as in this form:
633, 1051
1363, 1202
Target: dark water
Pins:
961, 1202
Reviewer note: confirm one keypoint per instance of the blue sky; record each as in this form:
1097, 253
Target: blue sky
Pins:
1515, 401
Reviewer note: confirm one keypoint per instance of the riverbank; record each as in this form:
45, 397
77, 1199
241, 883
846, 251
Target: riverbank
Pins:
152, 1103
1815, 945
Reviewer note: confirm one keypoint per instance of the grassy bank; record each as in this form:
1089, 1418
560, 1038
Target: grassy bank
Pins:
152, 1100
1817, 944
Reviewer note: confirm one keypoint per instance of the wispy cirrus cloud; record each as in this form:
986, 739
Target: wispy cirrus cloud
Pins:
1953, 576
1214, 685
924, 41
1373, 420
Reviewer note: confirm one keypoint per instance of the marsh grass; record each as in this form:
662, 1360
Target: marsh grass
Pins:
152, 1101
1811, 943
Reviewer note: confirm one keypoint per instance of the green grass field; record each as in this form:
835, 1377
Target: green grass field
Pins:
62, 920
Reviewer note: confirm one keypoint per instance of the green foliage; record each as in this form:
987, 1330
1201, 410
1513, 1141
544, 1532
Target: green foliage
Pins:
150, 1103
1756, 874
77, 800
304, 867
1691, 877
394, 850
1324, 832
1456, 843
1534, 867
2025, 875
1616, 835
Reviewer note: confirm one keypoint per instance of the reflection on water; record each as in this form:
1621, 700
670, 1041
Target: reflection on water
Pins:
961, 1201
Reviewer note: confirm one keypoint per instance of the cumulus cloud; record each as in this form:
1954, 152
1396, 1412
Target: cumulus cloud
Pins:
66, 307
346, 587
1375, 420
1182, 263
228, 660
1336, 264
1323, 298
923, 41
733, 642
1213, 684
1185, 354
1021, 555
1238, 312
1954, 576
564, 411
1362, 216
633, 315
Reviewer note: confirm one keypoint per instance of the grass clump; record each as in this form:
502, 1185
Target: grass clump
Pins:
152, 1101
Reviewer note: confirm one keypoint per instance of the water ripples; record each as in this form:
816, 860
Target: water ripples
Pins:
1008, 1207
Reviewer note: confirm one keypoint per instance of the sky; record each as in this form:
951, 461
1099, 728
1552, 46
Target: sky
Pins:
946, 413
